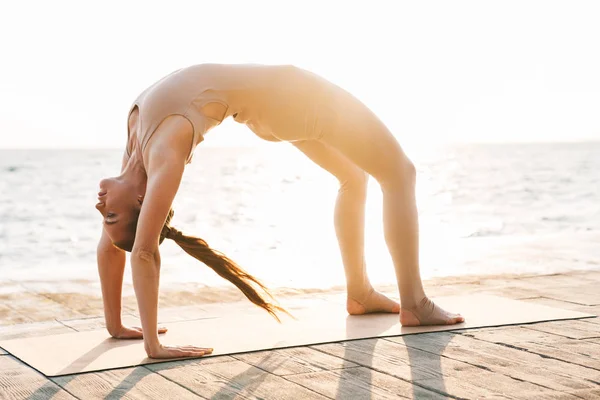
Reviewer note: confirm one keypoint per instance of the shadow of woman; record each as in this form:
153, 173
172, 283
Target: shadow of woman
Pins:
93, 354
68, 374
355, 383
426, 365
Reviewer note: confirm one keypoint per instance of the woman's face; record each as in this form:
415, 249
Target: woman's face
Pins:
120, 206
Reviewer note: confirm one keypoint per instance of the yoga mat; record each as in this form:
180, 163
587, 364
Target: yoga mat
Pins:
316, 322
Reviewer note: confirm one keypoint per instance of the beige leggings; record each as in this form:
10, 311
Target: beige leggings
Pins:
364, 146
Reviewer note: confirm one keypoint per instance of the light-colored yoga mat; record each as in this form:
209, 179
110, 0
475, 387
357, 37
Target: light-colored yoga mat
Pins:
317, 322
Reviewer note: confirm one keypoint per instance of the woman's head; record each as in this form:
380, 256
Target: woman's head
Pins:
120, 205
120, 202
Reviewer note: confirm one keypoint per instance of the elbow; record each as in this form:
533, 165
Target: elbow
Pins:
144, 255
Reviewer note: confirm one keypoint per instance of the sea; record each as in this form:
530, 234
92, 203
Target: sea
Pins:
483, 209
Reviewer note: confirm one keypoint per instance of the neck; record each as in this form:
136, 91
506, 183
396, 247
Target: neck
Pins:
135, 172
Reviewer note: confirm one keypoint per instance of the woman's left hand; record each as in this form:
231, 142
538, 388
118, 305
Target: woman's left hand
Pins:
134, 332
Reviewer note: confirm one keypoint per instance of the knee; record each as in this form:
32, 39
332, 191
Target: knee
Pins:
410, 171
355, 182
402, 176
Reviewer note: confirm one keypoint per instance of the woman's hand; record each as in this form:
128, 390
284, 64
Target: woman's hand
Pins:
177, 351
135, 332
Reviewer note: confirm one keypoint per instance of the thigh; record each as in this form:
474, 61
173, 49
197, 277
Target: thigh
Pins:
330, 160
363, 138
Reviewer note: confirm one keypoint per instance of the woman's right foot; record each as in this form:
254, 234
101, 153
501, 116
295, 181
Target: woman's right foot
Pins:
428, 313
373, 302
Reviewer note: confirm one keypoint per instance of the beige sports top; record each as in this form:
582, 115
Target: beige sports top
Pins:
275, 102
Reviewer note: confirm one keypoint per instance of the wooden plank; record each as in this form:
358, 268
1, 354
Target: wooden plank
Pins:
573, 329
497, 386
10, 316
129, 383
512, 362
18, 381
38, 307
228, 379
585, 293
427, 369
580, 352
361, 383
391, 358
559, 280
32, 329
297, 360
588, 394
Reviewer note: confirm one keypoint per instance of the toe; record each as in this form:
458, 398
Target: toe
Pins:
456, 319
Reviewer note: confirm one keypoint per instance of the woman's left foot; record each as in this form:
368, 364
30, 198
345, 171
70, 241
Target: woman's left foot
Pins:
374, 302
428, 313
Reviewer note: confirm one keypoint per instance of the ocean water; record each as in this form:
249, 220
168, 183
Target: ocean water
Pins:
484, 209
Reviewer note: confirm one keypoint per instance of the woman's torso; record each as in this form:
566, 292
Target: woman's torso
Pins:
277, 102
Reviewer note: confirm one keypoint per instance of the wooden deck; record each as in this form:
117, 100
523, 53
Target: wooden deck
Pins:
552, 360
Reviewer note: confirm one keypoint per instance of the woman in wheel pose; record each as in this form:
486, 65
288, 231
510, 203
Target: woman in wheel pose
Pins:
278, 103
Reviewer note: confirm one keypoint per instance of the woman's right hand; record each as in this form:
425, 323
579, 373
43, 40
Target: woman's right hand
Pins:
178, 351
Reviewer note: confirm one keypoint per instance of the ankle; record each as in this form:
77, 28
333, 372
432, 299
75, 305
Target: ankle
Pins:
414, 301
360, 294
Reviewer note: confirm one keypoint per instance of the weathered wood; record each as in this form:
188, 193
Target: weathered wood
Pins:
10, 316
413, 365
18, 381
559, 359
581, 352
298, 360
559, 280
32, 329
129, 383
37, 307
573, 329
228, 379
584, 293
587, 394
490, 386
502, 360
391, 358
361, 383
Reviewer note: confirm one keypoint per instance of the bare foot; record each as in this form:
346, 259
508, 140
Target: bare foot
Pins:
374, 302
427, 313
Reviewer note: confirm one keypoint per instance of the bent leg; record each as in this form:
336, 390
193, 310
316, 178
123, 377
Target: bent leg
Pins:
365, 140
349, 220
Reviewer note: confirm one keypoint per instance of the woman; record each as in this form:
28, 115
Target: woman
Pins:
278, 103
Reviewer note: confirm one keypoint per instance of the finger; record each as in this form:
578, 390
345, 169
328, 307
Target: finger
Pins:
194, 353
185, 353
194, 348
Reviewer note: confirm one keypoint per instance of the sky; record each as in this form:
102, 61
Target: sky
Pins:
434, 72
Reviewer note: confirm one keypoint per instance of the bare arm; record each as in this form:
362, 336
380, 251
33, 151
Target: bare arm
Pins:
111, 264
165, 169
